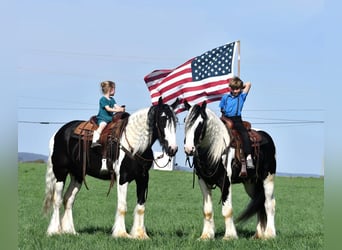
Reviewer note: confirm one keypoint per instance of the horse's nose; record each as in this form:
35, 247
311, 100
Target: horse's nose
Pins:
172, 150
189, 150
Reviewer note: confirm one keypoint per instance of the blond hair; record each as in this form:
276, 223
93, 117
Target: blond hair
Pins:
236, 83
106, 86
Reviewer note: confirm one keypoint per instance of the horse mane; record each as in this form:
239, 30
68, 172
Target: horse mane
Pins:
217, 138
138, 131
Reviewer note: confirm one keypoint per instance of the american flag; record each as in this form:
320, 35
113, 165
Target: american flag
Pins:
202, 78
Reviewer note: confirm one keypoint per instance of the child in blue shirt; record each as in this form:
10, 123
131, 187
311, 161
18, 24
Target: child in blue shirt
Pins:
231, 106
107, 108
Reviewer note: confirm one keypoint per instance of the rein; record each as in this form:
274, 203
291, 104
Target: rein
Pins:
203, 173
187, 160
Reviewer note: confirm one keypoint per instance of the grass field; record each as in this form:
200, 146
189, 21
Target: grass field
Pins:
173, 214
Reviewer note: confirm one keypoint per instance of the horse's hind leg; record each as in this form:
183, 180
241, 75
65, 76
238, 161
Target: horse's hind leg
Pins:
54, 226
269, 231
208, 212
69, 198
265, 228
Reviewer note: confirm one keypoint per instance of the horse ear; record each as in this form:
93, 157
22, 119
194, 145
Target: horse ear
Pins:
175, 104
204, 105
186, 104
160, 101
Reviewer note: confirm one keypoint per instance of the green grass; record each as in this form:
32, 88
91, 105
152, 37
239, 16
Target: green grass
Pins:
173, 214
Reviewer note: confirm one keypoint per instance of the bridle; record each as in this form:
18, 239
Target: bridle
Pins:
160, 138
197, 155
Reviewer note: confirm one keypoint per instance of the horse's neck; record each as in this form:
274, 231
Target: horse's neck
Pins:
216, 138
137, 135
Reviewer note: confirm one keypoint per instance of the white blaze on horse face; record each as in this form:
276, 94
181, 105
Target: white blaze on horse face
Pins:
189, 144
170, 134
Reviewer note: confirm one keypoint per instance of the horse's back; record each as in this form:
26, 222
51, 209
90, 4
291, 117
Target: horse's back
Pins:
68, 128
61, 145
269, 141
268, 151
64, 134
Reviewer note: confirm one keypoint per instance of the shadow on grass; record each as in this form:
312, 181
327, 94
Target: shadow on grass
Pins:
105, 230
178, 233
95, 230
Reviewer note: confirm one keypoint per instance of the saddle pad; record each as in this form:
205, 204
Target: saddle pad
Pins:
85, 128
255, 138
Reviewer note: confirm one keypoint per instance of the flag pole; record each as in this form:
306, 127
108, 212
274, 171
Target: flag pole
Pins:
238, 46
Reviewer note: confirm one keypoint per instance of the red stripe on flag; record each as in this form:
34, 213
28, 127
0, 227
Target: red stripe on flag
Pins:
203, 88
203, 78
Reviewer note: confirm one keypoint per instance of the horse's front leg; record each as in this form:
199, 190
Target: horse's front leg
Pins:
119, 227
227, 206
227, 212
69, 198
208, 212
138, 230
55, 225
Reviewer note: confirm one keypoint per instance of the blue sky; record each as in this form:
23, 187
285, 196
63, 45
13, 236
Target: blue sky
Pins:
66, 48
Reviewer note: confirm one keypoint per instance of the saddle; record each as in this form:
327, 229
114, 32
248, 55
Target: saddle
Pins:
110, 134
255, 138
114, 129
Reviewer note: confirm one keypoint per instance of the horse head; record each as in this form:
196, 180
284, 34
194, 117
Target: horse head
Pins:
195, 126
164, 125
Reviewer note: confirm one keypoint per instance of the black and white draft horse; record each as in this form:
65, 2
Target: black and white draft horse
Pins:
208, 140
131, 162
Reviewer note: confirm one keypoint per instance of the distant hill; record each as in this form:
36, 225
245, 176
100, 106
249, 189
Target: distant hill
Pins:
31, 157
188, 169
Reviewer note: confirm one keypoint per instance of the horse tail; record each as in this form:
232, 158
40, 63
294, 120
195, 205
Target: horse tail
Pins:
255, 206
50, 180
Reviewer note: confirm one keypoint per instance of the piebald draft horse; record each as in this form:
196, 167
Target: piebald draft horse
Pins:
132, 158
208, 141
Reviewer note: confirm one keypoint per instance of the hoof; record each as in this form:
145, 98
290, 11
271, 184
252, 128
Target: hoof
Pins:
230, 238
206, 237
122, 235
